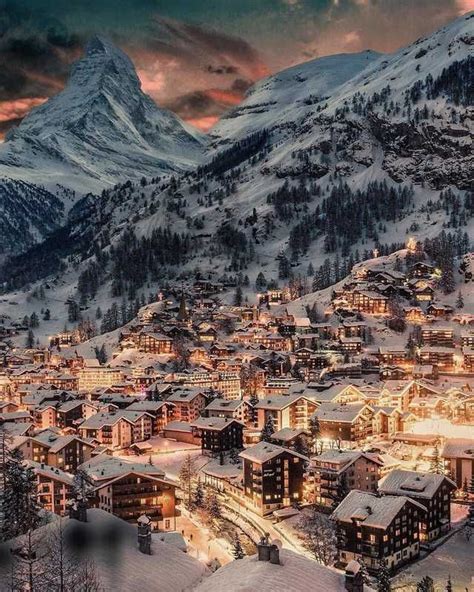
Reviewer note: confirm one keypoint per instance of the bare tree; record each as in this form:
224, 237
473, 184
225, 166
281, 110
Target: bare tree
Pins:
319, 536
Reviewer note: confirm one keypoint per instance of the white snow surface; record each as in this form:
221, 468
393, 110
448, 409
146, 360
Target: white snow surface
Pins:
99, 130
296, 573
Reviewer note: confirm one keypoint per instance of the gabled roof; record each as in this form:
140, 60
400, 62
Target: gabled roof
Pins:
372, 510
215, 423
280, 401
264, 451
413, 483
340, 413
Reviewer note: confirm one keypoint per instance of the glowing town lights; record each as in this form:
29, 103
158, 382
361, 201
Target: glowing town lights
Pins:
411, 244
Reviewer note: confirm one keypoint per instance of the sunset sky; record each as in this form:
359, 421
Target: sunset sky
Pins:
196, 57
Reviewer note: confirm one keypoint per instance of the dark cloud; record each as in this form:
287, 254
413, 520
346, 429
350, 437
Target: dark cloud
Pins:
197, 70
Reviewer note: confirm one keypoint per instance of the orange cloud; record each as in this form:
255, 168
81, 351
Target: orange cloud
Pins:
465, 6
18, 108
203, 123
227, 97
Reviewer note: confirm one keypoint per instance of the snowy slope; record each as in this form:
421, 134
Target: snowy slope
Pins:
99, 130
292, 93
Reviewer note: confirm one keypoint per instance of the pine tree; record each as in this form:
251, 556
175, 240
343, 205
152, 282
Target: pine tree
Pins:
383, 578
260, 282
198, 496
47, 315
268, 429
237, 550
460, 300
436, 464
426, 584
449, 584
238, 297
34, 321
213, 506
19, 498
186, 475
30, 339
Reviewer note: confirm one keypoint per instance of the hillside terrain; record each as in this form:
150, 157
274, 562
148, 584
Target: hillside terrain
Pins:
322, 166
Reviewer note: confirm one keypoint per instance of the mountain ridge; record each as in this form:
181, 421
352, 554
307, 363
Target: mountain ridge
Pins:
99, 130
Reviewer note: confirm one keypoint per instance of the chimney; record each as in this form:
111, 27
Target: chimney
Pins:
144, 534
263, 548
274, 554
354, 581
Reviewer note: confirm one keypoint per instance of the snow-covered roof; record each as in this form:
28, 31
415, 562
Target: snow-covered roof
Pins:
372, 510
264, 451
122, 566
278, 401
413, 483
459, 448
109, 467
214, 423
343, 413
295, 573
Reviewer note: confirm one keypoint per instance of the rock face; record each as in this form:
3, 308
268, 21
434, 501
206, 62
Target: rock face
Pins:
99, 130
27, 214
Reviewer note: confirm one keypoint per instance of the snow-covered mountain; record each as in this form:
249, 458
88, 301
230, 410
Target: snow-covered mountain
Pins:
27, 214
325, 161
99, 130
291, 94
410, 111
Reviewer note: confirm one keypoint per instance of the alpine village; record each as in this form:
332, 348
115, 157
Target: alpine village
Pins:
255, 372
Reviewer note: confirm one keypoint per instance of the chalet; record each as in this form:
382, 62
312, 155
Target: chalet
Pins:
392, 356
111, 429
55, 450
15, 417
350, 345
369, 302
443, 357
468, 358
414, 315
161, 411
421, 270
131, 489
386, 421
437, 335
350, 329
73, 412
289, 438
440, 311
273, 477
236, 409
287, 411
347, 425
53, 487
189, 404
333, 473
428, 489
467, 339
377, 529
218, 434
154, 343
458, 454
273, 341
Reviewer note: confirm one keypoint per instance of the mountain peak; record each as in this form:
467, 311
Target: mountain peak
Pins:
101, 128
